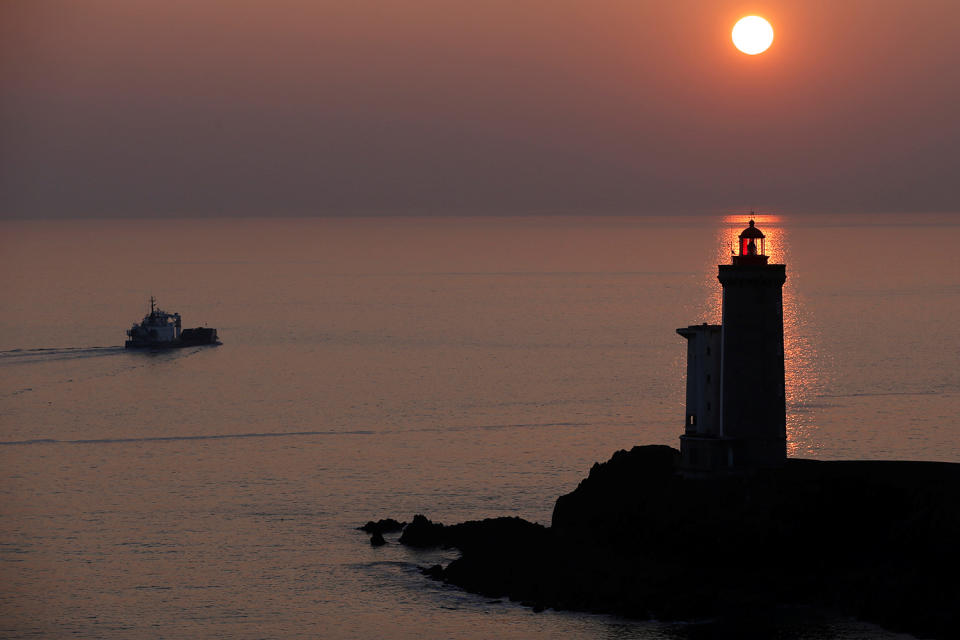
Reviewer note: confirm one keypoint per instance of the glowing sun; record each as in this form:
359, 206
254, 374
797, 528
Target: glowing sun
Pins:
752, 35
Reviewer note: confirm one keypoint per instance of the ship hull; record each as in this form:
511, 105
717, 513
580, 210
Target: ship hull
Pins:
199, 337
175, 344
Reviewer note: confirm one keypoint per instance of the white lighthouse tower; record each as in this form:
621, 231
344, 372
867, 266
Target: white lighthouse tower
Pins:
736, 407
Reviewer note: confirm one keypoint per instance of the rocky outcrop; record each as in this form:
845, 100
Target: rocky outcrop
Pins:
477, 536
387, 525
877, 540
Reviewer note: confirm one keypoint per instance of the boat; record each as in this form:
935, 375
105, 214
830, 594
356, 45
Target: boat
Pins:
161, 330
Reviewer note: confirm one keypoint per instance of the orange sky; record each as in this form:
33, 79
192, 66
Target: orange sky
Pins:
214, 107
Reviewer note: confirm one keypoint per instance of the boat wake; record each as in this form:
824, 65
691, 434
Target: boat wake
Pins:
218, 436
272, 434
27, 356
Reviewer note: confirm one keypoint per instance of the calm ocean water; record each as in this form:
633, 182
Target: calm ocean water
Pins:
462, 368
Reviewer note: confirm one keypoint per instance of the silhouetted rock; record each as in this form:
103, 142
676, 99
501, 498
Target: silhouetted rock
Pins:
387, 525
877, 540
421, 532
435, 572
376, 540
473, 534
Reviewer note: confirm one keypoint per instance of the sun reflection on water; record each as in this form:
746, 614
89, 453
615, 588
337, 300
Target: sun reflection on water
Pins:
802, 376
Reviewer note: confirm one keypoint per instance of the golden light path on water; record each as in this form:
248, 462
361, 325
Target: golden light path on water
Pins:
803, 373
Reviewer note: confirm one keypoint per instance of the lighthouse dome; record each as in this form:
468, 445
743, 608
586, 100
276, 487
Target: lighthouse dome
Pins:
752, 232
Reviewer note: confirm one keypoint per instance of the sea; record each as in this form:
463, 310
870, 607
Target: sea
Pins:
371, 367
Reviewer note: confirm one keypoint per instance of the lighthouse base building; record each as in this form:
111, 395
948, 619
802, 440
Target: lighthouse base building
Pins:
736, 405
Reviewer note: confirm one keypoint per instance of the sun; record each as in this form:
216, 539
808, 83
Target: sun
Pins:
752, 35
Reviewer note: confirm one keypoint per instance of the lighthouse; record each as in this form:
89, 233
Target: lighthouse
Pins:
736, 405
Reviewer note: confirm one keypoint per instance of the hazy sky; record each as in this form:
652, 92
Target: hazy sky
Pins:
293, 107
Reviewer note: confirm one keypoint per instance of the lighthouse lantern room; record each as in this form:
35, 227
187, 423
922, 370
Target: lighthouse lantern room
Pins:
752, 247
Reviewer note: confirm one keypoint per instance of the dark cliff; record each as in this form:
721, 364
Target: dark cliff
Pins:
877, 540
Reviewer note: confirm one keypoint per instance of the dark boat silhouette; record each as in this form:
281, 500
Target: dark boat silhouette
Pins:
161, 330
